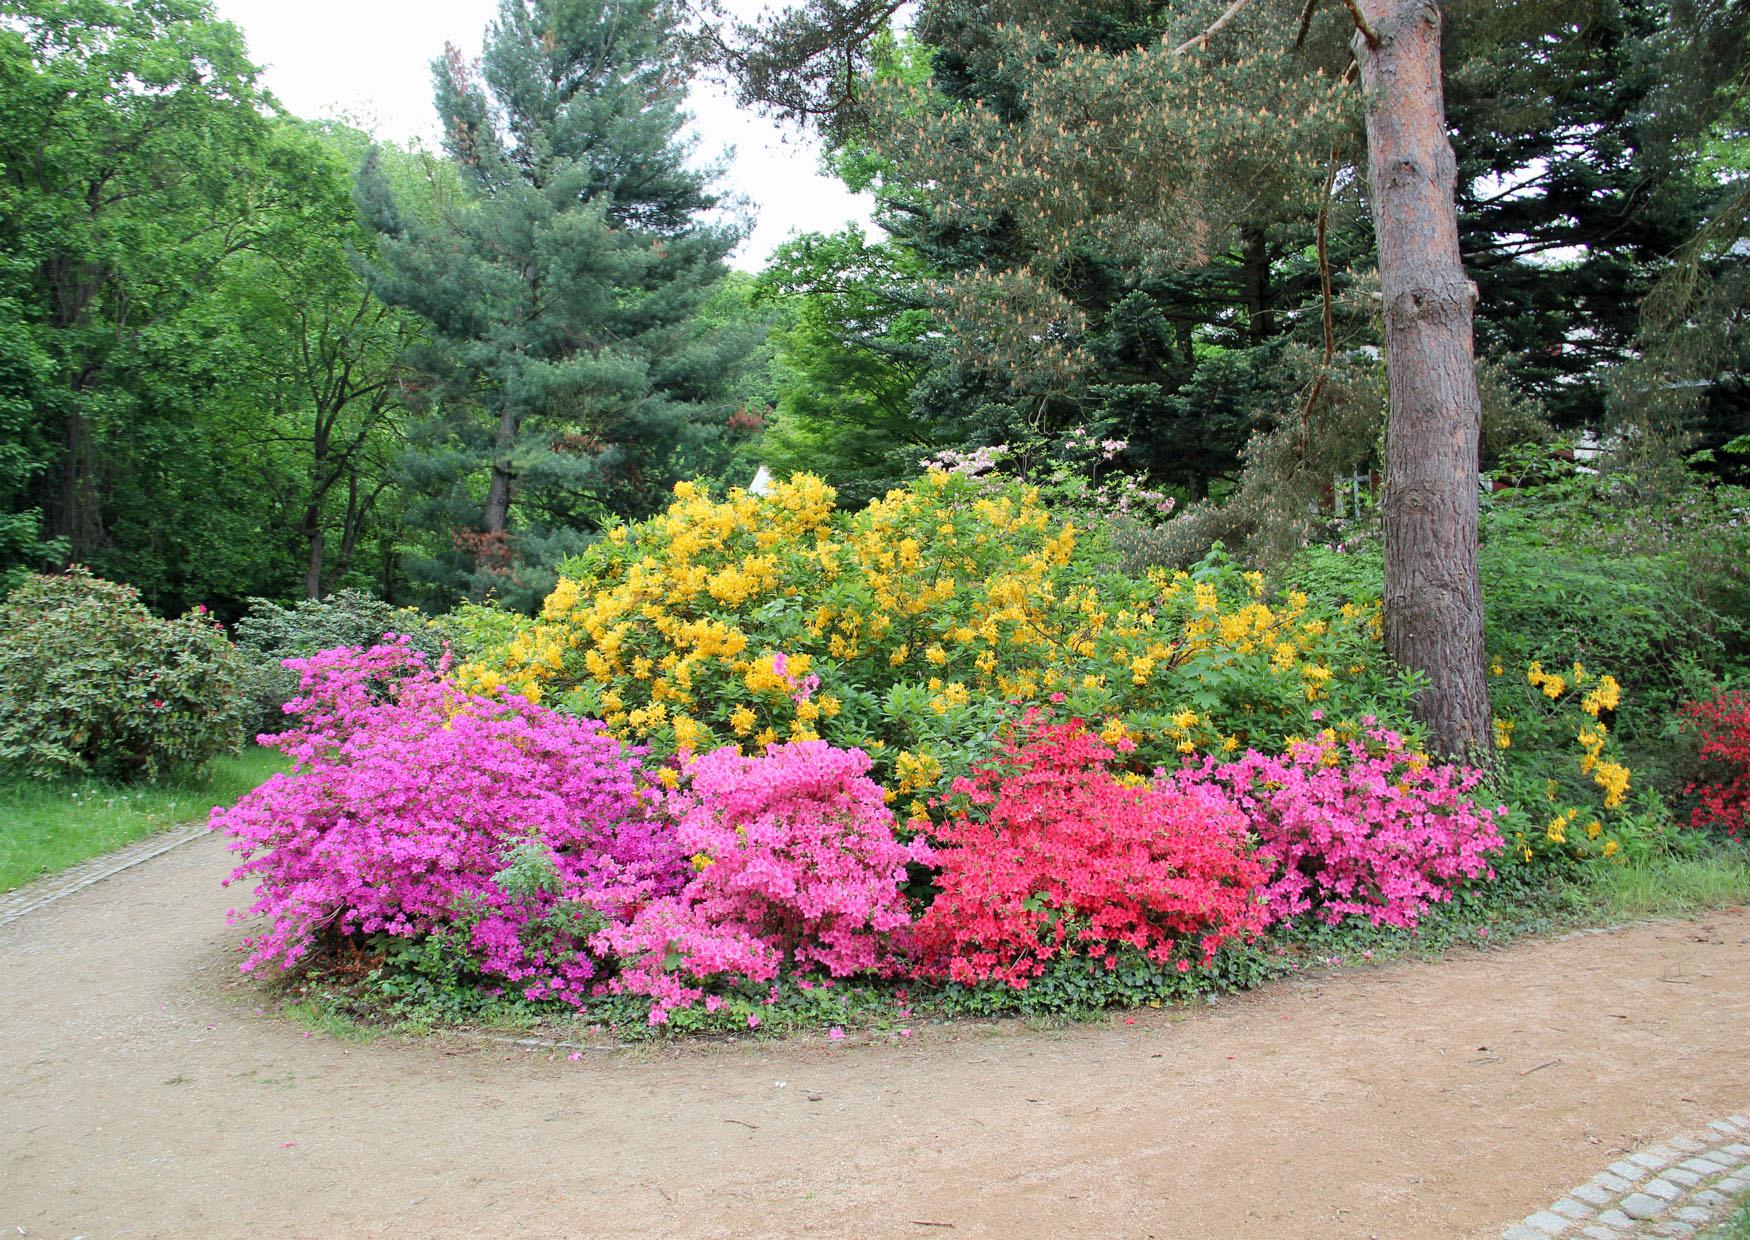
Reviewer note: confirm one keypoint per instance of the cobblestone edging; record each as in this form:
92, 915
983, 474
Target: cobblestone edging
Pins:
31, 896
1672, 1189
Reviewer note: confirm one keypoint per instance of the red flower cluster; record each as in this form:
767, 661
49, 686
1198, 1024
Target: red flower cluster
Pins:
1052, 854
1723, 792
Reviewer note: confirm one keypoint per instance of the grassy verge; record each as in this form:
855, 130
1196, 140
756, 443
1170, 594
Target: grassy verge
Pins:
46, 827
1737, 1227
1707, 874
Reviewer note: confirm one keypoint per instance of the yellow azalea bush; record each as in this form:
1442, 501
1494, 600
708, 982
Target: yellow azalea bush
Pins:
1575, 800
908, 628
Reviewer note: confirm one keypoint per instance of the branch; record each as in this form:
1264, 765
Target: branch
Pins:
1367, 31
1306, 16
1203, 39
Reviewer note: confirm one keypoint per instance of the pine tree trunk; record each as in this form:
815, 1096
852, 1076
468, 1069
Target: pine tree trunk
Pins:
498, 489
1433, 593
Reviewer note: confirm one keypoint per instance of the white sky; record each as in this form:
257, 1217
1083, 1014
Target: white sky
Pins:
369, 61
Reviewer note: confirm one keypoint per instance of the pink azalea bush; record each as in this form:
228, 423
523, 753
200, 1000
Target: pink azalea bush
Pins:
795, 863
1363, 828
417, 810
1052, 854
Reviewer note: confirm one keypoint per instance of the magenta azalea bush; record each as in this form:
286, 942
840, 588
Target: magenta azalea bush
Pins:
795, 862
415, 809
541, 856
1359, 828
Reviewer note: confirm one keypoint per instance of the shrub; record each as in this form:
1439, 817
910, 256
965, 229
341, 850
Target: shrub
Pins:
903, 629
1357, 827
795, 863
1723, 791
1562, 764
476, 630
508, 832
92, 682
270, 633
1048, 853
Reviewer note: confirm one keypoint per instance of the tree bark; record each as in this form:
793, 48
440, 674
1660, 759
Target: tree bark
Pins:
498, 490
1255, 282
313, 566
1433, 592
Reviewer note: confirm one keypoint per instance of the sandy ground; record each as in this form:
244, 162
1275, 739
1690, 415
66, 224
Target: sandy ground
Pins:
147, 1093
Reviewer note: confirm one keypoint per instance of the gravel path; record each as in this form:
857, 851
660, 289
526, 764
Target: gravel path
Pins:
150, 1092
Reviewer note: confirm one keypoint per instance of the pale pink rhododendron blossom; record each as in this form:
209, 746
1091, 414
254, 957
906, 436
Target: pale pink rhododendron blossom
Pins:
794, 864
1363, 828
410, 804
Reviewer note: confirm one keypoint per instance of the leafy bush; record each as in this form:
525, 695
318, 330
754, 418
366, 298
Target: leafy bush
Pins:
475, 630
1723, 790
1357, 825
795, 863
1563, 765
93, 682
1048, 853
270, 633
505, 832
903, 630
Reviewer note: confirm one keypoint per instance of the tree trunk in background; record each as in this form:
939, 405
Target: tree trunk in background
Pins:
498, 490
1255, 266
313, 566
1433, 592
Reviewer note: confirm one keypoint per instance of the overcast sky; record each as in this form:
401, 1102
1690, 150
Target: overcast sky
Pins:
369, 61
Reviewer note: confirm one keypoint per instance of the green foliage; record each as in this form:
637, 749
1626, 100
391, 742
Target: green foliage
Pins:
271, 632
847, 358
563, 291
1578, 568
53, 824
474, 630
130, 173
92, 682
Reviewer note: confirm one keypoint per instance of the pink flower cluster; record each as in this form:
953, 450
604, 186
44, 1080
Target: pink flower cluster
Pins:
1364, 828
1054, 855
416, 809
795, 862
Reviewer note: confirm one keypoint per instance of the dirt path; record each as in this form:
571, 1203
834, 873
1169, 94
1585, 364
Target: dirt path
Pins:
146, 1094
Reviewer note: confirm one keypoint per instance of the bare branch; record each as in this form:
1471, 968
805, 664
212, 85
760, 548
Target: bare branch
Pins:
1227, 16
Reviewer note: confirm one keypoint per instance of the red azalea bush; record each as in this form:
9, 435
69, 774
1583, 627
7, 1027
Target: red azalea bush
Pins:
1365, 828
794, 862
1052, 855
1723, 791
513, 830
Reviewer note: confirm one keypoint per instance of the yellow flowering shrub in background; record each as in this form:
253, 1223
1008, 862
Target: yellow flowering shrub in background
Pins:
907, 629
1577, 803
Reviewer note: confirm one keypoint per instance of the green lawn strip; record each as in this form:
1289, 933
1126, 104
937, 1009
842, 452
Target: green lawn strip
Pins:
45, 827
1736, 1227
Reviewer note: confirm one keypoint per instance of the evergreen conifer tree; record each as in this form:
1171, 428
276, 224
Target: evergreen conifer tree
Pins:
563, 289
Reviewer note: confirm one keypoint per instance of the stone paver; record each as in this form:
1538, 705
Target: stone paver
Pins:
1667, 1191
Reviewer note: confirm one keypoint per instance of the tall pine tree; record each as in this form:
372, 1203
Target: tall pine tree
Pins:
563, 290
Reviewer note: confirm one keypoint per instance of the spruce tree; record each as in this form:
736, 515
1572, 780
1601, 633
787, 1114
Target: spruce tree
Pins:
563, 289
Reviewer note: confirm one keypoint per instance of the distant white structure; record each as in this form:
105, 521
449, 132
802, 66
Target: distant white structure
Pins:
762, 482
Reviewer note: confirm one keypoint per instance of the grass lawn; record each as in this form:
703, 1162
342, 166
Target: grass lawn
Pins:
1709, 874
48, 826
1737, 1227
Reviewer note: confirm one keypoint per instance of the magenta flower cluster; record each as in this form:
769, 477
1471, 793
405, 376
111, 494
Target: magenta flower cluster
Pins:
544, 852
1363, 827
795, 863
411, 804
